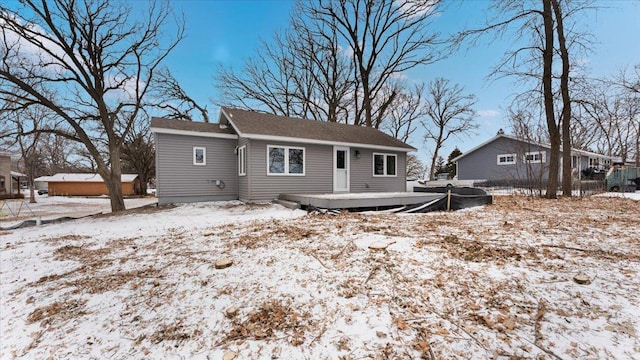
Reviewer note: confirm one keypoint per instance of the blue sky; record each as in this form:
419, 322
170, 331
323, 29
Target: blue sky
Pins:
228, 32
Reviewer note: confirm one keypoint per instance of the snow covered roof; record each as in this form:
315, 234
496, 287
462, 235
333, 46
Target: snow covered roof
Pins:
79, 177
43, 178
17, 174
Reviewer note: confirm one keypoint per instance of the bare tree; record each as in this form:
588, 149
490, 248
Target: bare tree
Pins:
405, 112
174, 100
449, 112
548, 95
538, 26
56, 152
90, 64
326, 67
415, 167
138, 153
565, 117
266, 81
302, 72
612, 113
525, 123
18, 134
630, 81
386, 37
339, 61
632, 84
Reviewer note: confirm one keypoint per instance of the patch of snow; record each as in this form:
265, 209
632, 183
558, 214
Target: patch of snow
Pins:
626, 195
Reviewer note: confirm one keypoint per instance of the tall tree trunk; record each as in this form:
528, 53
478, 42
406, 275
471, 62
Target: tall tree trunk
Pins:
433, 166
32, 191
547, 78
566, 102
432, 170
112, 177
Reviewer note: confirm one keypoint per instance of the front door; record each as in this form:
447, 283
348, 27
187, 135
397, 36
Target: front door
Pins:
340, 169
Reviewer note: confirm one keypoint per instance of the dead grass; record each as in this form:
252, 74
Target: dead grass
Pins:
452, 298
57, 311
270, 319
96, 283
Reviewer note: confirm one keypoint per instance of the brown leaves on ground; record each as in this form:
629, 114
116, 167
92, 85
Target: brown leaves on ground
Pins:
171, 332
58, 310
270, 318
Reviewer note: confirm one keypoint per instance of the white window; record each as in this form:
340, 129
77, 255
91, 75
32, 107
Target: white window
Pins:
199, 156
384, 164
535, 157
242, 161
285, 160
507, 159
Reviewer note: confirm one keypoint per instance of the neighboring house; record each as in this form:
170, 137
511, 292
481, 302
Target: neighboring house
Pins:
508, 159
252, 156
9, 180
5, 173
78, 184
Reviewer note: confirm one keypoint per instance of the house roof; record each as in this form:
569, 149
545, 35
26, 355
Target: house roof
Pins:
263, 126
80, 177
170, 126
17, 174
547, 146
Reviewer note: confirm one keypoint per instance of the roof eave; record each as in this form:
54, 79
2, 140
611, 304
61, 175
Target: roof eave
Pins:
325, 142
161, 130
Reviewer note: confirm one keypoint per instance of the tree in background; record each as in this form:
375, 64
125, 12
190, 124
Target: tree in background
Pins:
17, 133
565, 114
415, 167
138, 154
91, 65
386, 38
542, 30
608, 118
174, 100
451, 165
440, 166
405, 112
449, 112
630, 79
339, 61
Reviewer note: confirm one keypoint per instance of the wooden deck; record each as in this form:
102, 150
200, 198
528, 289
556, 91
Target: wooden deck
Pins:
360, 200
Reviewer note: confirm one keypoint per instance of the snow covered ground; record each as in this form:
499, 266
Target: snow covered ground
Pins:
489, 282
50, 207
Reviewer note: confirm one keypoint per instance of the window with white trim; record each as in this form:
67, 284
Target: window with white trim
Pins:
385, 164
285, 160
199, 156
506, 159
242, 160
535, 157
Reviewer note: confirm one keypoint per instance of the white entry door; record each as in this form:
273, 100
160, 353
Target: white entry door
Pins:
340, 169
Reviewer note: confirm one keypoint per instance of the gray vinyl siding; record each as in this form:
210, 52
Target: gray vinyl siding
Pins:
178, 180
318, 178
362, 179
482, 164
244, 181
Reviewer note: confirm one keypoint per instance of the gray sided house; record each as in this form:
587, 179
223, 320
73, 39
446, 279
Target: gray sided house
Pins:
254, 156
507, 159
